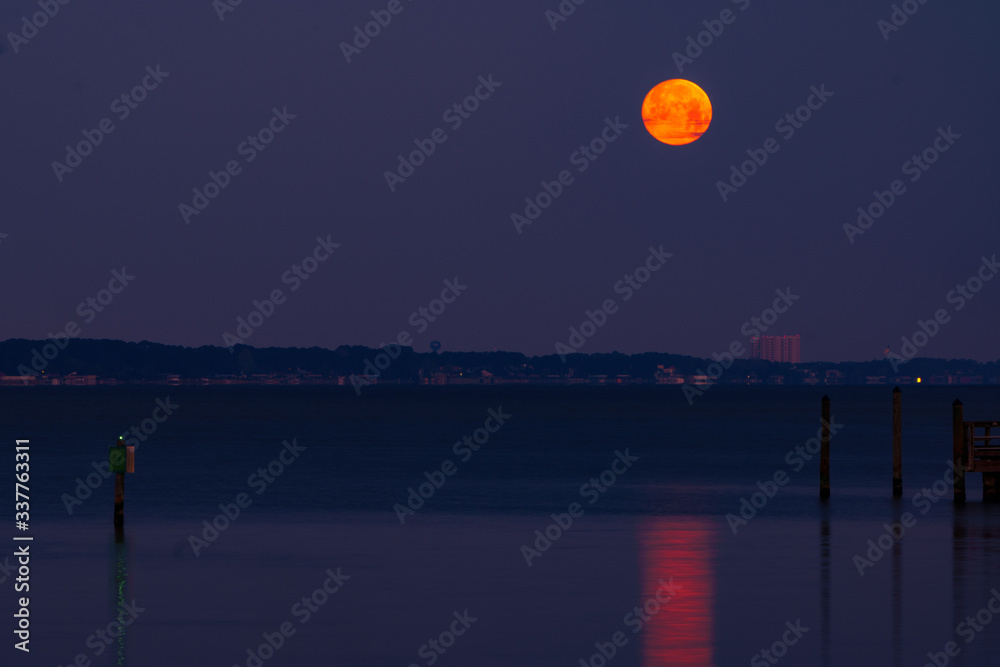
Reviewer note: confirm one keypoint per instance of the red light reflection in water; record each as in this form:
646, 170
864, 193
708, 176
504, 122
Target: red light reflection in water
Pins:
682, 548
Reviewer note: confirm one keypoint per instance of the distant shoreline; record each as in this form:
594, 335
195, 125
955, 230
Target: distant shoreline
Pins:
88, 362
345, 381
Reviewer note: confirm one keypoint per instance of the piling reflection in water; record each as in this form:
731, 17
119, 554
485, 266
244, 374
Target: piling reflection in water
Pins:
897, 604
824, 583
681, 632
975, 549
120, 595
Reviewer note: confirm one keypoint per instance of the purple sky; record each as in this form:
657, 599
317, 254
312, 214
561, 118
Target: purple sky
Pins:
324, 174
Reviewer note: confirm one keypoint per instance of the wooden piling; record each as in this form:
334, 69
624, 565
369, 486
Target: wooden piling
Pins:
991, 490
824, 460
897, 443
958, 449
120, 493
991, 480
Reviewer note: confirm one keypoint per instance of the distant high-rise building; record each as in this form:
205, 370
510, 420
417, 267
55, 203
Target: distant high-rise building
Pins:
777, 348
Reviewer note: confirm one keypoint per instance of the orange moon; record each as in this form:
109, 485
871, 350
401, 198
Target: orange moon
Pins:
677, 112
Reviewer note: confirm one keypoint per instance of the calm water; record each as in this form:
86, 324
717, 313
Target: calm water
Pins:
658, 526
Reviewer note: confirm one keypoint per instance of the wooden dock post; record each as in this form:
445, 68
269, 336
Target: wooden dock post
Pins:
991, 490
991, 480
897, 443
120, 490
121, 460
958, 449
824, 455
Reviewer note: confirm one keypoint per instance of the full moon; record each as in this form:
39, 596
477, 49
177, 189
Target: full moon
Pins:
677, 112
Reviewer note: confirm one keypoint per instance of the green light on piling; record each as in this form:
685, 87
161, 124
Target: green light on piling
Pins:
117, 459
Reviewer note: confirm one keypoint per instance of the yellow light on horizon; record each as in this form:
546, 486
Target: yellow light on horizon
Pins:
918, 380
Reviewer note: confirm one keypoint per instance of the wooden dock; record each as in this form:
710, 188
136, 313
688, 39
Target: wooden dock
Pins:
975, 449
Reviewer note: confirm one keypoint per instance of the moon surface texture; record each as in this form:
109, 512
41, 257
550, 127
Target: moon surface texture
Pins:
677, 112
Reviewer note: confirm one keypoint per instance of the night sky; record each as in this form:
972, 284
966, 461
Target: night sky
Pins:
344, 124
